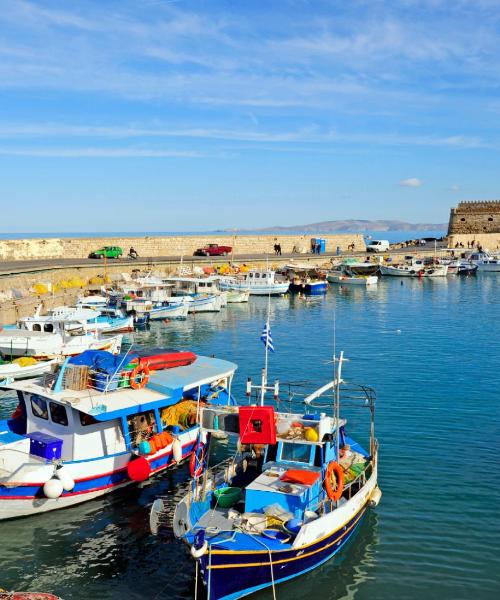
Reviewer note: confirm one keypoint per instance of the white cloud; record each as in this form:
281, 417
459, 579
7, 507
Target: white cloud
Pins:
412, 182
455, 188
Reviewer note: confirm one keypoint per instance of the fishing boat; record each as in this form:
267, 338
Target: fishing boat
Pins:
344, 275
102, 423
306, 285
105, 319
23, 368
416, 267
53, 337
258, 283
288, 500
201, 294
485, 262
357, 267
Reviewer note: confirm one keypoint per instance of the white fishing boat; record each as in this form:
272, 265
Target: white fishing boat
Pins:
343, 278
258, 283
96, 426
53, 337
197, 287
24, 368
485, 262
105, 319
414, 269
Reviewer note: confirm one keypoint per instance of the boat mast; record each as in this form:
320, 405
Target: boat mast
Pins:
337, 404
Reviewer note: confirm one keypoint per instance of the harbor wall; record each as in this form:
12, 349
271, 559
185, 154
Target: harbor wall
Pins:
152, 246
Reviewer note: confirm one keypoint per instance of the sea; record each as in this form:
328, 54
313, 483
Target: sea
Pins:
431, 350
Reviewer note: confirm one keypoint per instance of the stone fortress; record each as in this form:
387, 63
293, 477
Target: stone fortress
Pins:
475, 221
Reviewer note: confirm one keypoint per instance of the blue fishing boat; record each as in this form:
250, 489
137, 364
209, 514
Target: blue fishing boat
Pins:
288, 500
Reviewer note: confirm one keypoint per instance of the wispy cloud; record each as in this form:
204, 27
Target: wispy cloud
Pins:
97, 153
412, 182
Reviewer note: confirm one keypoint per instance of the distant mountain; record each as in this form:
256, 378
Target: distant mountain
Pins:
351, 225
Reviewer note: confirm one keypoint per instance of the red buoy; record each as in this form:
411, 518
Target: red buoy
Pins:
139, 469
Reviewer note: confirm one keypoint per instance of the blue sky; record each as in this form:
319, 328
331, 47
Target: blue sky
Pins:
160, 115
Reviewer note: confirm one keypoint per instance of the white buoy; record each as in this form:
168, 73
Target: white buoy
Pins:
68, 483
53, 488
398, 330
177, 450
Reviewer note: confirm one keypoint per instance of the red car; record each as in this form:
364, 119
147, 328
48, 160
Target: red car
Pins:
213, 250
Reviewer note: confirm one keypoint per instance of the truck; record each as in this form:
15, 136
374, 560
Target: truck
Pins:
213, 250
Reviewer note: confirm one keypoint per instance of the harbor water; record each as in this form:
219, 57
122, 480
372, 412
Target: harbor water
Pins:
431, 350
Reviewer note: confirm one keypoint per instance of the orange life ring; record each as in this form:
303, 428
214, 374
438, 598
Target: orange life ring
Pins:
139, 377
197, 460
334, 481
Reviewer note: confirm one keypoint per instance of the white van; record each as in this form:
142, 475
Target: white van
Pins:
377, 246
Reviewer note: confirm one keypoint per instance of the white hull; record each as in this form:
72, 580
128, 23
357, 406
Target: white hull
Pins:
37, 473
19, 343
169, 312
275, 289
414, 271
234, 297
209, 304
15, 371
352, 280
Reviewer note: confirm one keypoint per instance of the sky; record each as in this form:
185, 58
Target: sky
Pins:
177, 115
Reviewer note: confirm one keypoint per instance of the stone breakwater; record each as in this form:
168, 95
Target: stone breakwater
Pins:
155, 246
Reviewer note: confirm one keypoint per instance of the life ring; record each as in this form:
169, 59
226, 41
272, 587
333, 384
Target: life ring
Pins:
334, 481
197, 460
139, 377
199, 552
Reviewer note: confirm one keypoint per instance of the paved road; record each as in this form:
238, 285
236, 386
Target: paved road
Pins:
31, 266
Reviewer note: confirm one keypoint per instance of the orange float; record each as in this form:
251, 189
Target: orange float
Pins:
334, 481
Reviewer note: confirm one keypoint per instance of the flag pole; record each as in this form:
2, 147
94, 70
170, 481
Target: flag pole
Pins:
264, 371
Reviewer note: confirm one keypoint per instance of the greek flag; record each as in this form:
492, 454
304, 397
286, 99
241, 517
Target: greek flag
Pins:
266, 337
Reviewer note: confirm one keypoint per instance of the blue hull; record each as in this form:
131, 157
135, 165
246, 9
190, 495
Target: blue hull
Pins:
312, 289
234, 575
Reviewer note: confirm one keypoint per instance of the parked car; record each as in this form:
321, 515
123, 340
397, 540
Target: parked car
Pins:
377, 246
107, 251
213, 250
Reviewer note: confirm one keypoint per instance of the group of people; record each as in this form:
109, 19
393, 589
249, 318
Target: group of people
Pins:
277, 249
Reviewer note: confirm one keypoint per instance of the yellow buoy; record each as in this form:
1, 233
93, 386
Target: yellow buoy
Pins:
311, 434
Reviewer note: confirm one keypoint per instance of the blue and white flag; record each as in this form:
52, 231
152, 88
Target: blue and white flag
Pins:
266, 337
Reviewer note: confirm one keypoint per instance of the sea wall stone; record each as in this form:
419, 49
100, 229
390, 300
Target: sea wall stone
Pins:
475, 218
155, 246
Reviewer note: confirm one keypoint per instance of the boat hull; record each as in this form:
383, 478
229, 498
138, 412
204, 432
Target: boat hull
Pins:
353, 280
276, 289
93, 479
169, 312
19, 345
313, 289
230, 575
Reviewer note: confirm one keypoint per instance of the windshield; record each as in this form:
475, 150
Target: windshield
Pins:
296, 452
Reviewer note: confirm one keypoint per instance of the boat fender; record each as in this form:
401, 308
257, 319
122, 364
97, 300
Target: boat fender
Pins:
177, 450
63, 474
199, 552
375, 496
334, 481
18, 413
138, 469
53, 488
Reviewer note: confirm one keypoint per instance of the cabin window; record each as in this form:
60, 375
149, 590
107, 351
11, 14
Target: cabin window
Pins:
36, 327
142, 426
48, 327
296, 452
39, 407
87, 419
58, 414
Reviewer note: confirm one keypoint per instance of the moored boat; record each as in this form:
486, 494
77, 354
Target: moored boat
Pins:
24, 368
485, 262
258, 283
102, 423
288, 500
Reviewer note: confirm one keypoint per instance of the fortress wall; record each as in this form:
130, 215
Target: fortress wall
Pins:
155, 246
